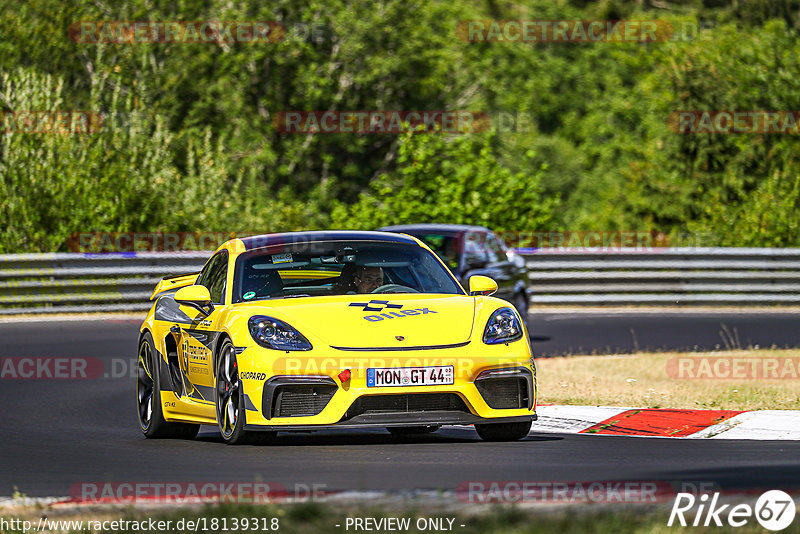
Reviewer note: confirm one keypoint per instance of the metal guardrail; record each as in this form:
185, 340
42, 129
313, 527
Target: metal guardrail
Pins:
67, 283
744, 276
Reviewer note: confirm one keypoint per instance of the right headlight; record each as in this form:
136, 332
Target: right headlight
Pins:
275, 334
503, 327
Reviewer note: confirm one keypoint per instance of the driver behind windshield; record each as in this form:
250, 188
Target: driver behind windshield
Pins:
368, 279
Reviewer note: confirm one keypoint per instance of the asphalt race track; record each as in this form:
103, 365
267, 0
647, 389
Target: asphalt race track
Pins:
59, 433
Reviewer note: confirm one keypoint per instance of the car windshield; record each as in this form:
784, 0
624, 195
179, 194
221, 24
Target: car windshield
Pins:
339, 268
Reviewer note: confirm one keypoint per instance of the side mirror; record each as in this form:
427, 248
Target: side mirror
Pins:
481, 285
196, 297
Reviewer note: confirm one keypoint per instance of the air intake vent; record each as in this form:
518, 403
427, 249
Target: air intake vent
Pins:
504, 393
301, 400
411, 403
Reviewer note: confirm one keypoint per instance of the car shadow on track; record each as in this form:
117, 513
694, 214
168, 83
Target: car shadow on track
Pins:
371, 437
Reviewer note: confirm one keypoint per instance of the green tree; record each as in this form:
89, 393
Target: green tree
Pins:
121, 178
453, 179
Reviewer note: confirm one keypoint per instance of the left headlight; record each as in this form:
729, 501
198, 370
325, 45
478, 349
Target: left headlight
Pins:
503, 326
275, 334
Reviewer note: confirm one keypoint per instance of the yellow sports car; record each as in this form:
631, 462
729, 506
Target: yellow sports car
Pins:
312, 330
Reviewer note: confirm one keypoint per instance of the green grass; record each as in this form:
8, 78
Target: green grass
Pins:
648, 380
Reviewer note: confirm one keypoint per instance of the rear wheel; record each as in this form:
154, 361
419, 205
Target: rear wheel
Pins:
412, 430
230, 406
148, 393
503, 431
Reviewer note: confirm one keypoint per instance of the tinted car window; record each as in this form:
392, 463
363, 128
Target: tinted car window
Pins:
496, 251
475, 251
445, 246
214, 276
331, 268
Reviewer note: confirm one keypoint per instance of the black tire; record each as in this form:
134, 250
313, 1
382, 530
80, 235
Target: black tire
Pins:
412, 430
148, 395
229, 402
503, 431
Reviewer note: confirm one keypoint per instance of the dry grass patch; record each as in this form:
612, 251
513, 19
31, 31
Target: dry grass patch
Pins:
733, 380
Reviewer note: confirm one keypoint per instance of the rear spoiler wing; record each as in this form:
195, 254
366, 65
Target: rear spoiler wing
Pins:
174, 282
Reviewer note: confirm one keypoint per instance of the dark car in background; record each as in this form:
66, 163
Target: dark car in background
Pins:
472, 250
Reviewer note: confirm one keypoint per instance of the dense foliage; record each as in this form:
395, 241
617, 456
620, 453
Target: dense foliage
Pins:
195, 146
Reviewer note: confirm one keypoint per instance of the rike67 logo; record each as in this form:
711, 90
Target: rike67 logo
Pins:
774, 510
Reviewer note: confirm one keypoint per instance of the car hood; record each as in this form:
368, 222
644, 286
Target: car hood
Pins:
377, 320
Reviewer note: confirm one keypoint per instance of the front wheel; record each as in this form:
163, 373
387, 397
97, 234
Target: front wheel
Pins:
503, 431
148, 393
230, 407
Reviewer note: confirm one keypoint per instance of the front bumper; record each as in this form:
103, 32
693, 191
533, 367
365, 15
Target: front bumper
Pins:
354, 405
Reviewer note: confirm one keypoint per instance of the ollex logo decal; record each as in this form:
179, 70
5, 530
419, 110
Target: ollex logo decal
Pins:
380, 305
376, 305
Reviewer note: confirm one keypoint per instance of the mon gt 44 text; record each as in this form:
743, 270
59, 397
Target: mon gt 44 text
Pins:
312, 330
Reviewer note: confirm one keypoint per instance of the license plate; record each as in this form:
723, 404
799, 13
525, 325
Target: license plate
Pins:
410, 376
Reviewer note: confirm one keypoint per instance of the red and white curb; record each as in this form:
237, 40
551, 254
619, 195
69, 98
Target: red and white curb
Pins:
651, 422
